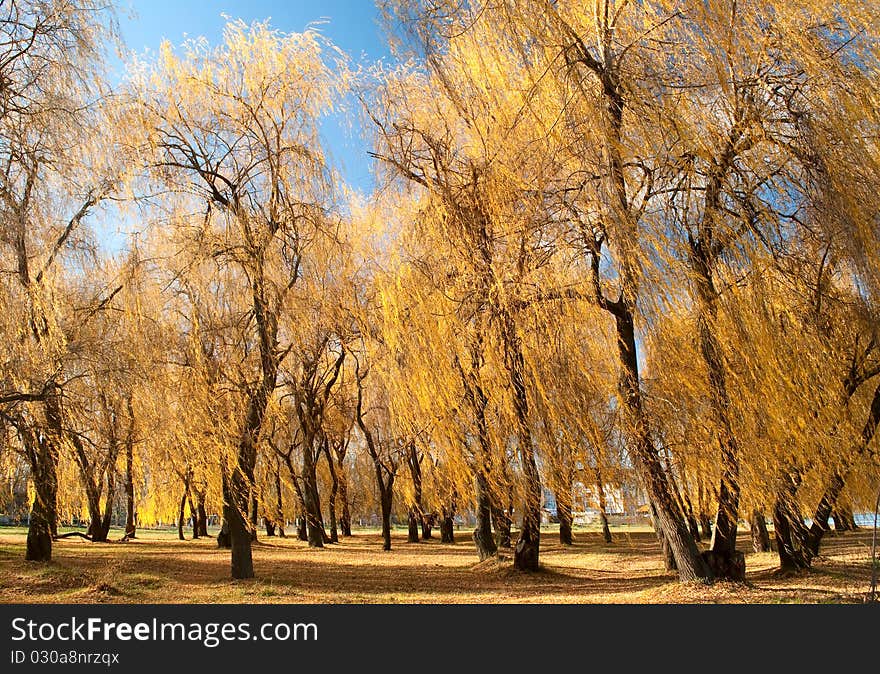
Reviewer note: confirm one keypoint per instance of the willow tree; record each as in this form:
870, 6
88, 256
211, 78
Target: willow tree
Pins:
574, 67
54, 175
232, 130
477, 238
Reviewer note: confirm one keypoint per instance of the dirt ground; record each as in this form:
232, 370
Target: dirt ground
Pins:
156, 568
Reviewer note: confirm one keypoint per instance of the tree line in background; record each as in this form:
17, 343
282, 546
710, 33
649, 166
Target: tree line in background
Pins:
607, 240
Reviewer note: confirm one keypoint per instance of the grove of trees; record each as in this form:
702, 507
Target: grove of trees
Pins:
607, 240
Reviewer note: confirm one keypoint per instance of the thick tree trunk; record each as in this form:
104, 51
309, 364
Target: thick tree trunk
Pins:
690, 564
723, 544
485, 542
311, 498
342, 494
447, 524
791, 555
526, 552
201, 514
665, 549
416, 516
302, 529
270, 527
96, 531
705, 520
39, 536
413, 526
760, 536
43, 458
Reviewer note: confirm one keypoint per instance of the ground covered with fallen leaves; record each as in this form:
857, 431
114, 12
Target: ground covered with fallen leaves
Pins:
157, 568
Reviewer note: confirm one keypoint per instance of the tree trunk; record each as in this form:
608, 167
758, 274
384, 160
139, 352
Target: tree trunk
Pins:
416, 516
181, 513
279, 505
723, 544
270, 527
705, 520
345, 520
96, 521
201, 514
311, 498
302, 529
603, 513
342, 494
526, 552
130, 517
483, 538
760, 536
447, 524
563, 514
193, 512
386, 496
43, 456
690, 564
334, 489
665, 548
791, 556
413, 525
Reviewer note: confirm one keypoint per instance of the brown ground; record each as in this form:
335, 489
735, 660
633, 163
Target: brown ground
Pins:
157, 568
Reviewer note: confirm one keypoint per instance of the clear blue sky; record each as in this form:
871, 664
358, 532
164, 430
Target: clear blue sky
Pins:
353, 25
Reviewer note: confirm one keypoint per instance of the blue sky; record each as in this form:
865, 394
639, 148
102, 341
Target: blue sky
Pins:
353, 25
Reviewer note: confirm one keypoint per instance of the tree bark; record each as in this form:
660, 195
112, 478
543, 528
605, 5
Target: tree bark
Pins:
416, 516
43, 455
311, 498
563, 513
760, 536
447, 524
670, 522
526, 552
201, 514
413, 525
